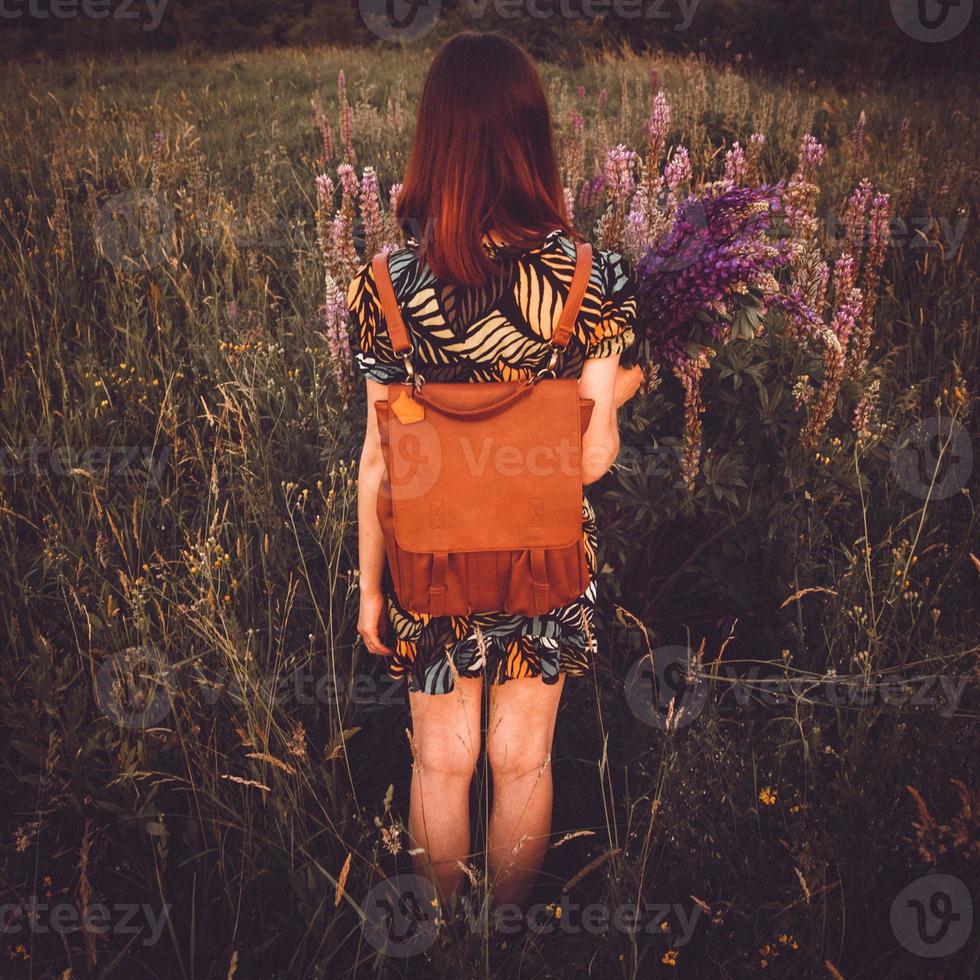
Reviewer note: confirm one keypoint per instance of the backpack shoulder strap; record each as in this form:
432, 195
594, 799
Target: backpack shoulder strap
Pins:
576, 292
397, 330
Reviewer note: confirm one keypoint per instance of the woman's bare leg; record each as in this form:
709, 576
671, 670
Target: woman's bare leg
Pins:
446, 741
520, 730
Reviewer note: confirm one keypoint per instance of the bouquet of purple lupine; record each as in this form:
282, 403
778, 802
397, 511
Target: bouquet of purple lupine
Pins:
709, 280
711, 277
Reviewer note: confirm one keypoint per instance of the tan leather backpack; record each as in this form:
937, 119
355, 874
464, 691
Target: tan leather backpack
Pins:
481, 503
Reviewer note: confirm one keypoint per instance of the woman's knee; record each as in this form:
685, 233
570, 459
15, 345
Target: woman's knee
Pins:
447, 757
516, 753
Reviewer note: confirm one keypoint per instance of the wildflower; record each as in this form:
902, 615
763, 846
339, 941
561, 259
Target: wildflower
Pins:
678, 170
371, 211
658, 126
735, 164
335, 319
767, 796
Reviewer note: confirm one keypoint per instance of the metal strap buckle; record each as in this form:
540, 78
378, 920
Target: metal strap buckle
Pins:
414, 378
549, 368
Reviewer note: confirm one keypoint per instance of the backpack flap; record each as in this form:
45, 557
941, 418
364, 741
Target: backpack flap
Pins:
471, 478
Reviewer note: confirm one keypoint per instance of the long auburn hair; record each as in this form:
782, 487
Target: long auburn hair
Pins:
483, 158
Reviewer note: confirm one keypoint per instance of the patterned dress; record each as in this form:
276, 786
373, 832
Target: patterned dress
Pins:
494, 333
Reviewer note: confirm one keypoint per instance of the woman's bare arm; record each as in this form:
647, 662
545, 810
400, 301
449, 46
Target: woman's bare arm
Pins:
370, 540
609, 386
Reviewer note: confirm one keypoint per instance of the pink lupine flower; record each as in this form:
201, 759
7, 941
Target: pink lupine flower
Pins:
845, 270
858, 144
569, 204
344, 253
855, 216
393, 235
326, 135
348, 182
635, 232
324, 189
878, 231
324, 193
658, 126
810, 156
618, 172
371, 212
735, 164
845, 316
678, 170
335, 332
864, 411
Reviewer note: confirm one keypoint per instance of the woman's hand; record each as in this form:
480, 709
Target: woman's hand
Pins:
370, 618
628, 381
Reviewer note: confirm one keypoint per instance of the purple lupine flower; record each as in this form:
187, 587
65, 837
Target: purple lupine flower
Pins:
716, 257
591, 192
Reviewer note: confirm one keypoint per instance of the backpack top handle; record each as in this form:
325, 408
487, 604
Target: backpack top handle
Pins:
402, 344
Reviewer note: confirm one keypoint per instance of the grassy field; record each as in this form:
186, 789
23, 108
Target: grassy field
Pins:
200, 763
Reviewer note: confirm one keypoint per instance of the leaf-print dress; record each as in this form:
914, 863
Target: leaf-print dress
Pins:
494, 333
